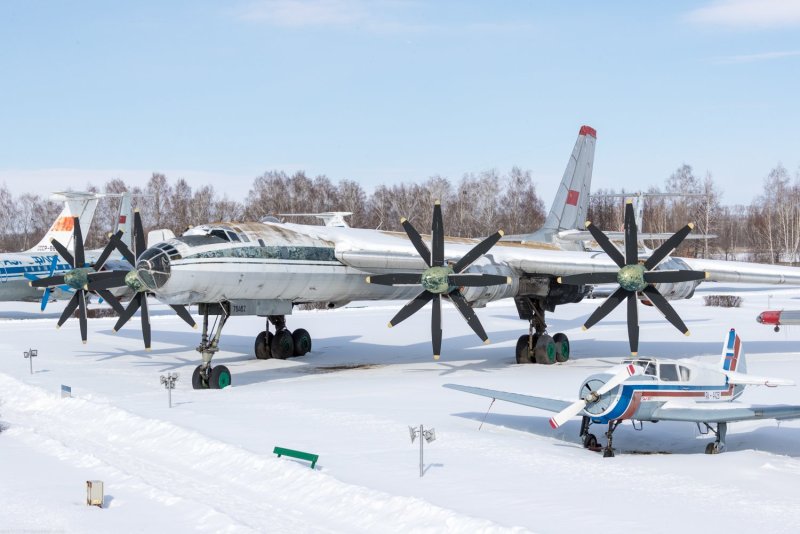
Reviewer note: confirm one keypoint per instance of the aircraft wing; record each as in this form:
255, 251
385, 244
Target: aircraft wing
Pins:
723, 413
543, 403
748, 273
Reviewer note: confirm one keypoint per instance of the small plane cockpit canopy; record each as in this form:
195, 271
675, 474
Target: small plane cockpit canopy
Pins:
667, 372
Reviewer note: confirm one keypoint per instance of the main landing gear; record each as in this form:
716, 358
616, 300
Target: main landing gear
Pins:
539, 347
718, 445
283, 343
590, 440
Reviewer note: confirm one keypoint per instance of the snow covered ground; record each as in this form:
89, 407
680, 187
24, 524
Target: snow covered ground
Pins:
207, 463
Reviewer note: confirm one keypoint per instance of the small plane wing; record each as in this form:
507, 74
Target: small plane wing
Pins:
723, 412
543, 403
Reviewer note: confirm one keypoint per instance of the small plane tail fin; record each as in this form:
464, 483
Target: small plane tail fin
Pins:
76, 204
571, 203
733, 359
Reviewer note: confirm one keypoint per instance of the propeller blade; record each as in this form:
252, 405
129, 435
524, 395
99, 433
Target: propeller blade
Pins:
437, 237
145, 321
666, 308
477, 251
477, 280
110, 246
633, 322
49, 281
112, 300
126, 252
106, 279
395, 279
605, 244
184, 314
68, 309
668, 246
129, 311
468, 314
416, 240
657, 277
139, 241
631, 236
587, 278
436, 326
63, 252
576, 407
412, 307
45, 299
81, 296
77, 237
605, 308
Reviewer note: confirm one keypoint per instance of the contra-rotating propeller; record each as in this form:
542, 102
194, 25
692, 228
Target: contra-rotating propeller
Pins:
591, 396
81, 278
131, 279
441, 279
634, 277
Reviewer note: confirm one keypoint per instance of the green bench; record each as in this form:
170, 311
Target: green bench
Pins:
280, 451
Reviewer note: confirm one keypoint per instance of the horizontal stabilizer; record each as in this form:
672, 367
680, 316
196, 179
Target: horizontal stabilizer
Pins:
743, 379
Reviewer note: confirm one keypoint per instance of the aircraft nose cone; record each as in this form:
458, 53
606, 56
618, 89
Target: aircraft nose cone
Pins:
153, 268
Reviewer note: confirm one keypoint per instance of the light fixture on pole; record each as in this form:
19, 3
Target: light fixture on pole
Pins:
169, 384
428, 435
30, 354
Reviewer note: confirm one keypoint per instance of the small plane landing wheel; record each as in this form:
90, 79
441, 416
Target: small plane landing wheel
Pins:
545, 350
302, 342
220, 377
282, 345
522, 352
777, 328
590, 442
262, 348
199, 380
562, 347
712, 448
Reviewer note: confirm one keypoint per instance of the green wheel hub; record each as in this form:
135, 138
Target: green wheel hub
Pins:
631, 277
77, 278
434, 279
224, 380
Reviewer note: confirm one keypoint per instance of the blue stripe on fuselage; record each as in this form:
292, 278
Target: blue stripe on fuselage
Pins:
627, 396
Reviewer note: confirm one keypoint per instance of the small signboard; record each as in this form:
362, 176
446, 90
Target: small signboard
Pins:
66, 391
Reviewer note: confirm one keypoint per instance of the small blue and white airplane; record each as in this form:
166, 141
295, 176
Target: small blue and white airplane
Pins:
647, 389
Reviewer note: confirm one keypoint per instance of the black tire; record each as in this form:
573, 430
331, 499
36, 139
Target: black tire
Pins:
590, 441
302, 342
522, 352
562, 347
711, 448
262, 347
282, 345
545, 350
220, 377
198, 380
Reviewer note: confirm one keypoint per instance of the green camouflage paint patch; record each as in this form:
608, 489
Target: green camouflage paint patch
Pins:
271, 253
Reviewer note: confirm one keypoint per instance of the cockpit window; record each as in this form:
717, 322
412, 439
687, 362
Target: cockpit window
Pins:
232, 236
218, 232
669, 372
685, 373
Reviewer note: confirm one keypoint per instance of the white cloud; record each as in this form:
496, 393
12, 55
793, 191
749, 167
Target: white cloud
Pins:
752, 58
749, 14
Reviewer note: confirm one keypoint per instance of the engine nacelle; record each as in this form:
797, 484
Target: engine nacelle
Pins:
679, 290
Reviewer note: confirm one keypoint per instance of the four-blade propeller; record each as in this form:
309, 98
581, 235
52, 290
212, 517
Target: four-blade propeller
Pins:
441, 279
635, 277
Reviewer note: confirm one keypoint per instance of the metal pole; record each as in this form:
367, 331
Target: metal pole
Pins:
30, 358
421, 441
169, 394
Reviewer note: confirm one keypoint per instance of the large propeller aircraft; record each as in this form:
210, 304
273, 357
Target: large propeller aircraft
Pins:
646, 389
265, 268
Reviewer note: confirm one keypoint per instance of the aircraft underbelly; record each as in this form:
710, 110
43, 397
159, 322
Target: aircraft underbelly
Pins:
294, 281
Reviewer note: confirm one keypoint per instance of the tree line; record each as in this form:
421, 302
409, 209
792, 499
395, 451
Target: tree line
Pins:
767, 230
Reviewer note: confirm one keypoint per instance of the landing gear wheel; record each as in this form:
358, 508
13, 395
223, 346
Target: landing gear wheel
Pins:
302, 342
199, 380
523, 354
220, 377
712, 448
590, 442
262, 348
545, 350
562, 347
282, 345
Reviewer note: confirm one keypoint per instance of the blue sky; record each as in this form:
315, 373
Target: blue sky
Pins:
386, 91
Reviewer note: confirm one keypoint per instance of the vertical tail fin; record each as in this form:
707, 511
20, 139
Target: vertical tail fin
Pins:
571, 202
80, 205
733, 354
125, 219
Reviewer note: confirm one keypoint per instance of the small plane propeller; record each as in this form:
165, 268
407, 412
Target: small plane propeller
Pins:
591, 397
441, 280
80, 278
634, 277
131, 279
